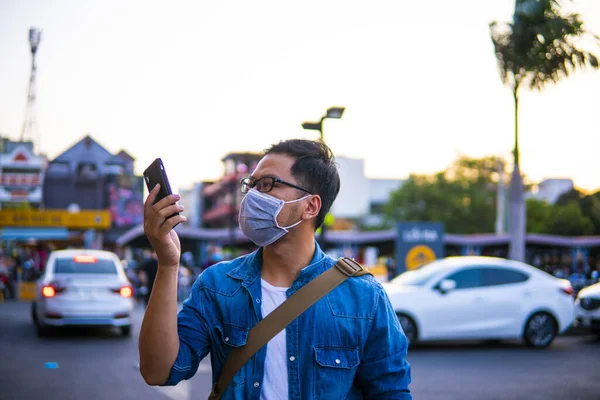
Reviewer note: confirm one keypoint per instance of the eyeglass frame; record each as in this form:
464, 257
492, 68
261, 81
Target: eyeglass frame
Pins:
275, 180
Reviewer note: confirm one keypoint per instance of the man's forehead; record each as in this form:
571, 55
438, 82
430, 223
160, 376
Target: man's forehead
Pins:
277, 165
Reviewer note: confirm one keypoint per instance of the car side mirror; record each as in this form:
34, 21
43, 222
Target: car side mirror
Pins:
447, 285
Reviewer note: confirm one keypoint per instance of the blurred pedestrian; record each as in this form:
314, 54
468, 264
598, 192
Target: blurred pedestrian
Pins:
148, 271
6, 266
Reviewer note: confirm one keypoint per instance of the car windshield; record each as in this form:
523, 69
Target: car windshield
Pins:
418, 277
87, 265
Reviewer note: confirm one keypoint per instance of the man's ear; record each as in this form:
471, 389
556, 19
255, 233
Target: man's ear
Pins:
312, 209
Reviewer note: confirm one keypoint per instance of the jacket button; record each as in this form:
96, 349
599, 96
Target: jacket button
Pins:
292, 358
337, 361
256, 384
227, 339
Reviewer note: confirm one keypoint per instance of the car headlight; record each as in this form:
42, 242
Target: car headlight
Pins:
589, 303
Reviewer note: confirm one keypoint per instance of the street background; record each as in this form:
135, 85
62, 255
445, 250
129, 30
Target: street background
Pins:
101, 364
441, 116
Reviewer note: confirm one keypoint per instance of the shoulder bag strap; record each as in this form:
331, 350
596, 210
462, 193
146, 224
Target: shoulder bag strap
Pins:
288, 311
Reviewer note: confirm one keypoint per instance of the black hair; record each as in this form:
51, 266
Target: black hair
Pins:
314, 169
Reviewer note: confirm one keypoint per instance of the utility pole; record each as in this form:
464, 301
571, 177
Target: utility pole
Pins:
30, 129
500, 199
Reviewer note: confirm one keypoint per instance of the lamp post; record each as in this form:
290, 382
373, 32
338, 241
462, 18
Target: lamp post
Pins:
332, 113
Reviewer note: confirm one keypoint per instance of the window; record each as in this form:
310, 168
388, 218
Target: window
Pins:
501, 276
87, 170
467, 278
418, 277
98, 266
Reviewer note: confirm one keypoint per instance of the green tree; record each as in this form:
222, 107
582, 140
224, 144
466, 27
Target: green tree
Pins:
538, 214
463, 197
589, 204
566, 219
569, 220
539, 46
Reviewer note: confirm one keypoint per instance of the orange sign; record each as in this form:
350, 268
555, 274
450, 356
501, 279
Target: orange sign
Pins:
85, 219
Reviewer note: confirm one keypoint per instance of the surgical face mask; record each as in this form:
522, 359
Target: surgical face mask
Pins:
258, 217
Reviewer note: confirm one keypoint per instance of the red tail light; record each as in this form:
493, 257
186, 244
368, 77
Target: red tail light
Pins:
52, 289
48, 291
567, 290
124, 291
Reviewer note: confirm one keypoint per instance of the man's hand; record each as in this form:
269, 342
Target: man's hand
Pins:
159, 229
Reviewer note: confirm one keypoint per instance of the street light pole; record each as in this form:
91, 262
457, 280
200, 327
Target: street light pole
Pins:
332, 113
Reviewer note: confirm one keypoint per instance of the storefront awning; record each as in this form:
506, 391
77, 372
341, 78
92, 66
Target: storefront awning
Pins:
25, 234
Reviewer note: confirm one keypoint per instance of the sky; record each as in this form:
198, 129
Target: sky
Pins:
194, 80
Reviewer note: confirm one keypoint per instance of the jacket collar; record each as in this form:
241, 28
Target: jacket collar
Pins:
249, 270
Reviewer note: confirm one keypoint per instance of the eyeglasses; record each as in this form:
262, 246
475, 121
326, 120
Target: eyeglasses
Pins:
265, 184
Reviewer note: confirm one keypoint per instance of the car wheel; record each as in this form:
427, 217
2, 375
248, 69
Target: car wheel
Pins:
540, 330
41, 331
409, 327
34, 314
126, 330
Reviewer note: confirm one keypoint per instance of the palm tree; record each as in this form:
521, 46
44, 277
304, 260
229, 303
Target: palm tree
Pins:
540, 46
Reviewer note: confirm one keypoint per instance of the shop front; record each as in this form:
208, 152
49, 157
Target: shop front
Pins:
28, 236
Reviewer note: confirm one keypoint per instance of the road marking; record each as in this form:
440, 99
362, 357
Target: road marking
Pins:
204, 368
183, 391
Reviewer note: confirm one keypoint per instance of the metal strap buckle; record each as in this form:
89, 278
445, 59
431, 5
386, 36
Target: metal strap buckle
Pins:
348, 266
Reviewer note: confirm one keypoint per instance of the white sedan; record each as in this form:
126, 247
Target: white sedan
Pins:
481, 298
83, 287
588, 308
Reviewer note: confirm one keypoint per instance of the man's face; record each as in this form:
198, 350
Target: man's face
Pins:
280, 166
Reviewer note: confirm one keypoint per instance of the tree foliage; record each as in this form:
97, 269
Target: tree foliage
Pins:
558, 219
464, 197
541, 44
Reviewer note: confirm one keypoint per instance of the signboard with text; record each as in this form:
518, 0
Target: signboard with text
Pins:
125, 200
84, 219
21, 176
418, 243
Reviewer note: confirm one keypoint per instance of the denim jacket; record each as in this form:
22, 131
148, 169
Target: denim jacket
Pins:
348, 345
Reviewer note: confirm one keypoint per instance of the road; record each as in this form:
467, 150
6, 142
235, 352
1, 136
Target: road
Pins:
100, 364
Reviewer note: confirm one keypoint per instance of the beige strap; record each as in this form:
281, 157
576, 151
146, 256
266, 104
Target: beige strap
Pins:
288, 311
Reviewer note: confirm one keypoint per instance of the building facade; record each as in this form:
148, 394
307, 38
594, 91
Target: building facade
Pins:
88, 177
353, 199
550, 190
21, 175
221, 199
191, 200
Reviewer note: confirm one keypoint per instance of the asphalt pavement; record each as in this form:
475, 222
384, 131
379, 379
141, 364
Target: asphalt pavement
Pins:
100, 364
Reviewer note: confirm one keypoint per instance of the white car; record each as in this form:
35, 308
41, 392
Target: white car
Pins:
481, 298
83, 287
587, 308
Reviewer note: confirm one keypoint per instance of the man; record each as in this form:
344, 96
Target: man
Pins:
347, 345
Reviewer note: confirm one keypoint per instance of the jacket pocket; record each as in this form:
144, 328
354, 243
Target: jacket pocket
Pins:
334, 371
232, 336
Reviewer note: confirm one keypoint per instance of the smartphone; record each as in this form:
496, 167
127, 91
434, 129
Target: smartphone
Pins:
156, 173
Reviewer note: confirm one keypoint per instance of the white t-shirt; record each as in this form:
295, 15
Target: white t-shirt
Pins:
275, 382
